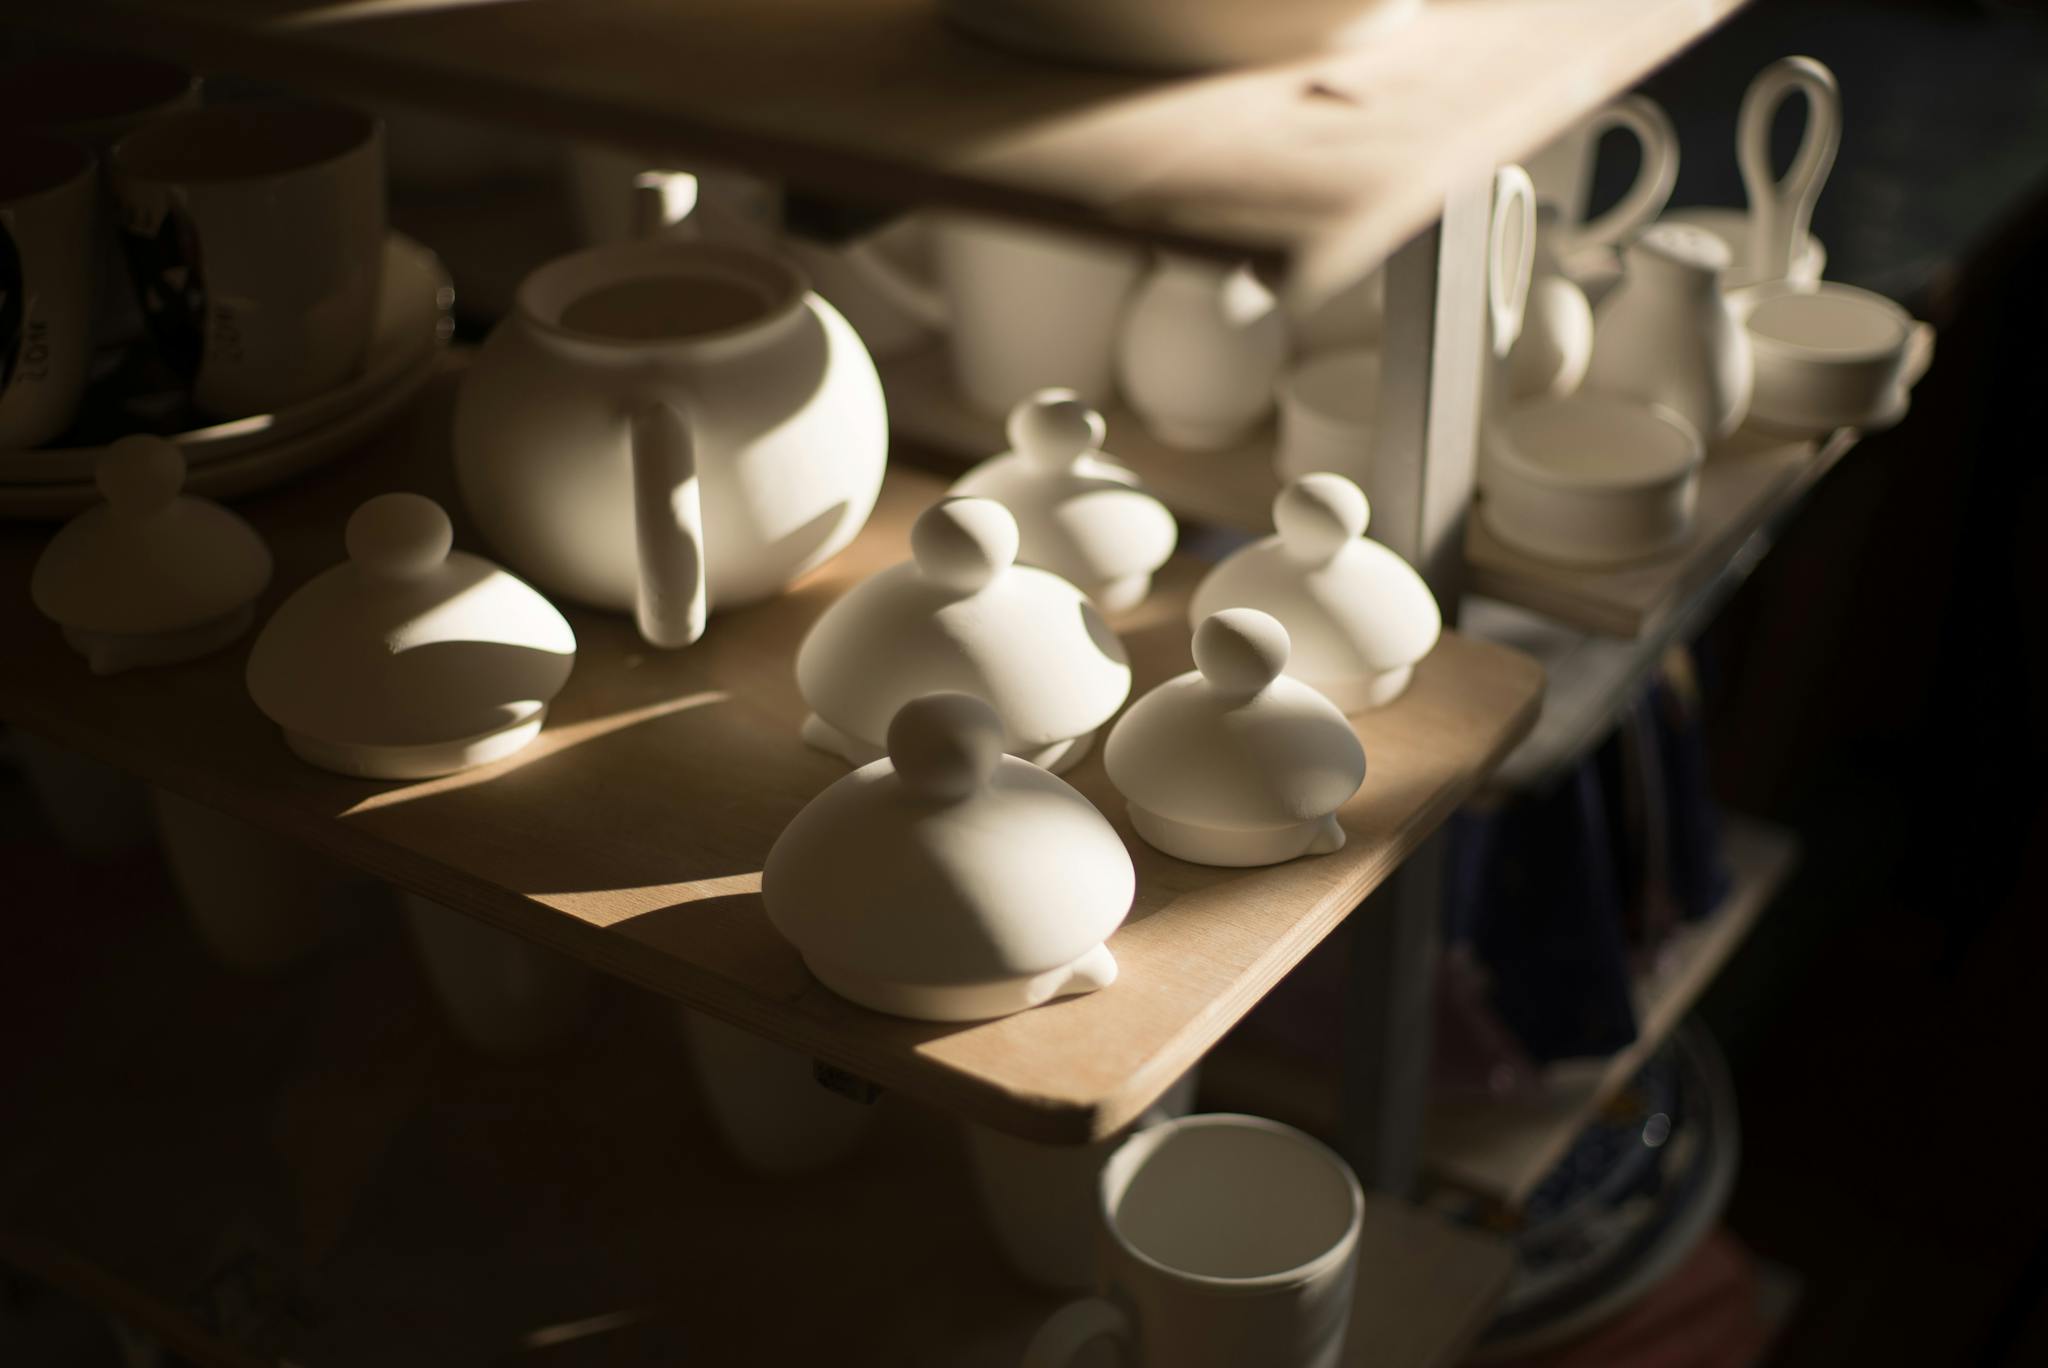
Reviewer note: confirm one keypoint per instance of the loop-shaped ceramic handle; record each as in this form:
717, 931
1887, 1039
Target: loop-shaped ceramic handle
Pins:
1656, 176
1510, 254
670, 600
663, 200
1780, 209
921, 299
1073, 1328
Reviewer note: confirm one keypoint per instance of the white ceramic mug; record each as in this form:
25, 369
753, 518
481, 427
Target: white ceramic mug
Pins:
49, 194
1023, 309
765, 1099
255, 234
1040, 1199
1563, 173
503, 993
1329, 415
1226, 1240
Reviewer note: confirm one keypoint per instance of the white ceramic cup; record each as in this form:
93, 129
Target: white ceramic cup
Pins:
765, 1099
1225, 1241
258, 901
1828, 355
1023, 309
503, 993
49, 195
255, 234
1329, 414
1040, 1200
1563, 173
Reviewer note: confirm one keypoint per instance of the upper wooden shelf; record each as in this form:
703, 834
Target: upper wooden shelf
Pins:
1330, 162
631, 834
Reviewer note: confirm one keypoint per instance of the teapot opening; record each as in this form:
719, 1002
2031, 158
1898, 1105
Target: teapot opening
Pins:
656, 308
624, 298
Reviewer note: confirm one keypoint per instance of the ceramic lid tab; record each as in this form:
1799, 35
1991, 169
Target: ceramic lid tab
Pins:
408, 642
149, 559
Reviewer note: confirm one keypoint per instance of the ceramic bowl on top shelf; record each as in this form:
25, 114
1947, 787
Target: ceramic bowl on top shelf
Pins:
1236, 763
962, 616
949, 881
1830, 356
409, 659
670, 428
1079, 513
1177, 35
1589, 480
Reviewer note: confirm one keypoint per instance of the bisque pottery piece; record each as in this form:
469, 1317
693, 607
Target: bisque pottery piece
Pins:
962, 616
669, 428
1830, 356
502, 993
1358, 617
1079, 514
1590, 479
1562, 174
409, 659
1236, 763
1329, 415
1666, 335
949, 881
151, 576
765, 1100
1177, 35
1202, 349
1549, 358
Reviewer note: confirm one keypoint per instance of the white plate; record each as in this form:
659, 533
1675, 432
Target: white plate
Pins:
412, 325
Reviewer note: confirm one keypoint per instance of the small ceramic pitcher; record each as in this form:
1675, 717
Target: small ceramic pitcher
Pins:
1667, 336
1201, 352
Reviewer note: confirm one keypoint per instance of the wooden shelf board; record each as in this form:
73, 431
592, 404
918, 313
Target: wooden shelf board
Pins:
1332, 161
1504, 1148
631, 834
377, 1193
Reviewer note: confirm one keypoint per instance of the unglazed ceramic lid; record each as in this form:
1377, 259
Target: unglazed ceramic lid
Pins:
1351, 607
961, 616
948, 865
1079, 514
1236, 743
149, 559
408, 643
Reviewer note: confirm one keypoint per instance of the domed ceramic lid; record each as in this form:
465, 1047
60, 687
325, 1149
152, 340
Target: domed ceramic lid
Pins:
949, 862
408, 642
149, 559
1350, 606
1235, 743
1079, 514
962, 617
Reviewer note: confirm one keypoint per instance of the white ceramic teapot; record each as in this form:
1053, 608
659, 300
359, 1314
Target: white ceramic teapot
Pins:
1201, 352
669, 427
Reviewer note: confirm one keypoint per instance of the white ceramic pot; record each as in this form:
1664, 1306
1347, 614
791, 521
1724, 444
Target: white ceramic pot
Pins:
765, 1100
1829, 356
1202, 349
1177, 35
503, 994
666, 428
1040, 1200
1329, 416
1562, 174
1667, 336
1225, 1241
1589, 480
1023, 308
259, 902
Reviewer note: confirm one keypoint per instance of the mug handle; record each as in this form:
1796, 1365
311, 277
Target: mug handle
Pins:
664, 201
1073, 1328
1510, 255
669, 600
920, 299
1781, 210
1655, 179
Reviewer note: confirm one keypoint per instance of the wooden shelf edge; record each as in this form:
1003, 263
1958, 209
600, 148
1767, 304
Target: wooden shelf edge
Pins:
1503, 1149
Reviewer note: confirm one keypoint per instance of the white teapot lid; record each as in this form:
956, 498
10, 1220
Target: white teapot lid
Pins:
150, 559
961, 616
408, 642
1079, 514
948, 862
1236, 743
1350, 605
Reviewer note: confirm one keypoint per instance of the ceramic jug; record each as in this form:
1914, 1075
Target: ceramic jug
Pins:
1023, 309
669, 427
1667, 336
1201, 352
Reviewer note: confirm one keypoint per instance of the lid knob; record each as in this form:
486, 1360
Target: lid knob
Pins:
399, 536
1319, 515
945, 745
1054, 428
1240, 650
964, 543
140, 475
